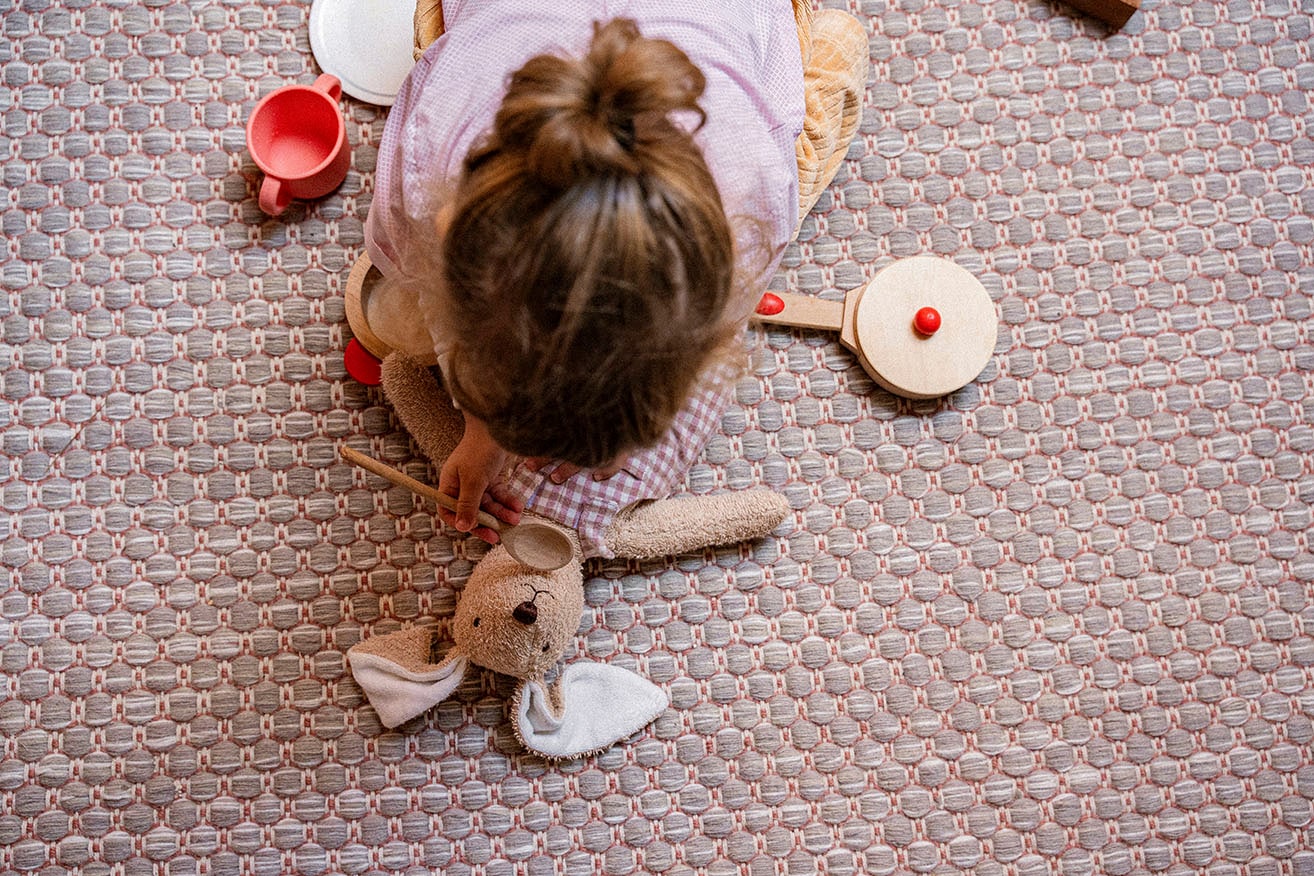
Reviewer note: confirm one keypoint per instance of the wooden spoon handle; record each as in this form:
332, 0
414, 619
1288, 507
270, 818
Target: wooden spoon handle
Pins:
803, 311
401, 479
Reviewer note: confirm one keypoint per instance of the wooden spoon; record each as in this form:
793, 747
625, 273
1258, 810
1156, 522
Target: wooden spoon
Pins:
542, 546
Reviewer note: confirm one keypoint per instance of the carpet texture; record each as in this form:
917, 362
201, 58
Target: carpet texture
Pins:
1061, 622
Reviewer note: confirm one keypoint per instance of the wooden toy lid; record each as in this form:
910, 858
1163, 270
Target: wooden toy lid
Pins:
906, 361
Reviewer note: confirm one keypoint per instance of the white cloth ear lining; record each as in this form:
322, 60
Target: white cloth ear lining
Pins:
600, 705
397, 694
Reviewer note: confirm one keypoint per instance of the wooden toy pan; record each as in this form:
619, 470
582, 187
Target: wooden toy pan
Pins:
923, 327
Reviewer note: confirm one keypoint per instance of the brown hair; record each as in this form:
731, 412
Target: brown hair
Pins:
588, 263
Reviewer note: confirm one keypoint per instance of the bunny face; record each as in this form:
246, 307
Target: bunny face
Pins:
516, 621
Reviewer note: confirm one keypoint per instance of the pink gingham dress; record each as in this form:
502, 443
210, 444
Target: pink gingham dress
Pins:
747, 49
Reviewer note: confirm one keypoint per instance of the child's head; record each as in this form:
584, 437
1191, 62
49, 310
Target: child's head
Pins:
587, 260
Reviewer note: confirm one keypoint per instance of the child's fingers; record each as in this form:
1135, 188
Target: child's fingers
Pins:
503, 504
564, 472
488, 535
557, 472
468, 492
560, 472
467, 505
611, 468
481, 532
447, 517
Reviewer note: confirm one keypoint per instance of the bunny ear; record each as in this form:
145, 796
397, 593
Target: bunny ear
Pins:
590, 706
397, 681
676, 526
425, 408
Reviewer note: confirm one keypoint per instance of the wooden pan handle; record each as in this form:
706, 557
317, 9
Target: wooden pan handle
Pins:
802, 311
369, 463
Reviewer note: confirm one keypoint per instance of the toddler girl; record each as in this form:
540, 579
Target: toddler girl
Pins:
584, 203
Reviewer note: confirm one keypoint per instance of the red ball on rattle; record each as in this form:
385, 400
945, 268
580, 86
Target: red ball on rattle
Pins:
927, 321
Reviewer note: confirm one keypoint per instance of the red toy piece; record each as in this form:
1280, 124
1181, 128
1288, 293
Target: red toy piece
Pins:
297, 136
927, 321
770, 305
362, 364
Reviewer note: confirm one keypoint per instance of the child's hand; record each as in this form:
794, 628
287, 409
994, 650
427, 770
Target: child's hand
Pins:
560, 472
469, 474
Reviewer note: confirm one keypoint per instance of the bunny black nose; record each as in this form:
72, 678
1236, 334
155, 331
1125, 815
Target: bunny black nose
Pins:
525, 612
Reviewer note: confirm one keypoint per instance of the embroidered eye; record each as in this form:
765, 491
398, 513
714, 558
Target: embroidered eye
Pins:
476, 622
545, 648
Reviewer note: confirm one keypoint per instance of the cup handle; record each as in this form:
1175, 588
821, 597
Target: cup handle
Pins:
329, 84
274, 196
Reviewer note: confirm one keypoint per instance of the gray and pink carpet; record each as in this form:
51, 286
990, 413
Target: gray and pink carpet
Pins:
1060, 622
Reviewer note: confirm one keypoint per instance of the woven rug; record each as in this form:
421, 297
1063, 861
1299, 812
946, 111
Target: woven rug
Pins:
1060, 622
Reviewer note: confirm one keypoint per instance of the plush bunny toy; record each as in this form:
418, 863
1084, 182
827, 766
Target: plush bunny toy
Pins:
519, 621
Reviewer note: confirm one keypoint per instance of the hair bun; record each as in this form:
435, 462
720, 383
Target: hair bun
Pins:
577, 118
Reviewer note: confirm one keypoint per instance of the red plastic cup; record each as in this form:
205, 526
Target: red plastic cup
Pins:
297, 136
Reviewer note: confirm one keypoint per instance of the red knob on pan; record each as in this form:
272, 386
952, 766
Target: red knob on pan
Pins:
927, 321
362, 364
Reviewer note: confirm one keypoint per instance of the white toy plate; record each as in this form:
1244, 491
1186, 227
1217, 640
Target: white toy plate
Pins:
365, 43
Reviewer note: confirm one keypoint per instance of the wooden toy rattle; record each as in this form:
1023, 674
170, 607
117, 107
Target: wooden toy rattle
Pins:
922, 328
541, 546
